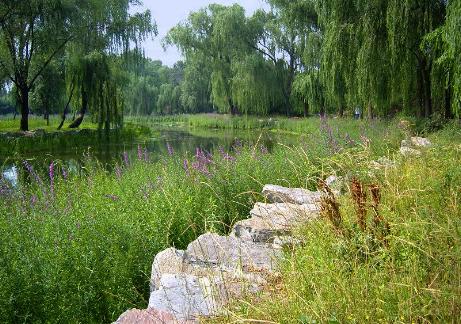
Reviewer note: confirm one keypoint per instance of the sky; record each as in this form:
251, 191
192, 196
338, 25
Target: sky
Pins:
168, 13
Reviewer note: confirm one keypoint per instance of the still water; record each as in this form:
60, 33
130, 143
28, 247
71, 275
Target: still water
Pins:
180, 140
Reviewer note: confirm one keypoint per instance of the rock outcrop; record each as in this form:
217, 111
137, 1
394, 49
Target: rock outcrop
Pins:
412, 146
199, 281
214, 270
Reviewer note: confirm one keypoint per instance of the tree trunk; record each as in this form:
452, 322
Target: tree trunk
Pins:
233, 110
427, 92
448, 112
369, 111
78, 121
66, 108
425, 87
306, 108
24, 98
322, 111
341, 111
46, 114
419, 96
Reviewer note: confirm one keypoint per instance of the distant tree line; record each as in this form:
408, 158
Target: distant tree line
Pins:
318, 56
300, 57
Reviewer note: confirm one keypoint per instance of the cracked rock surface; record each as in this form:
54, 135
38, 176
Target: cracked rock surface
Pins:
199, 282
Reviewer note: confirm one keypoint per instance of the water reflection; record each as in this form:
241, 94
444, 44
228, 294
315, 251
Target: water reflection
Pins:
180, 141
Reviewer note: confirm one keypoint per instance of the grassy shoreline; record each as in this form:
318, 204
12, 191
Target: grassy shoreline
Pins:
412, 276
46, 137
79, 248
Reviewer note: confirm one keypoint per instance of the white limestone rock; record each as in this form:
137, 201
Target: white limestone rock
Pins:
231, 252
188, 297
408, 151
270, 221
420, 142
279, 194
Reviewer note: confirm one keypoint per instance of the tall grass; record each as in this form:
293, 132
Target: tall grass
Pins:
78, 248
409, 272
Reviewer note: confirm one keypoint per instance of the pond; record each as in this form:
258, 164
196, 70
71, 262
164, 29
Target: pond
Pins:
181, 140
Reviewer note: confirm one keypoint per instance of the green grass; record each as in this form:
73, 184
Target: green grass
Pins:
80, 250
414, 278
10, 124
333, 131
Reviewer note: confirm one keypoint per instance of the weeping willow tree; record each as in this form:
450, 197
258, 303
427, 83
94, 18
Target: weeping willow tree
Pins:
255, 85
371, 89
230, 39
308, 88
453, 28
338, 22
408, 22
99, 81
226, 42
196, 87
106, 30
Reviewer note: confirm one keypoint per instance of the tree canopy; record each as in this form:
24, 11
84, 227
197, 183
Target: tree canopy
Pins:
298, 57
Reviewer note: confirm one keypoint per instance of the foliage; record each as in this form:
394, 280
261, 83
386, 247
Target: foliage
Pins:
411, 276
35, 33
78, 247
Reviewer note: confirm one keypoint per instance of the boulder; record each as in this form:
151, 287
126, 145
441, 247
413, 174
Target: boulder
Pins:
188, 297
420, 142
147, 316
332, 181
279, 194
167, 261
172, 261
231, 252
383, 163
270, 221
406, 143
408, 151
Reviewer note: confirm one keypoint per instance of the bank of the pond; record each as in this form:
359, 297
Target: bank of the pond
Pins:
40, 140
392, 252
78, 248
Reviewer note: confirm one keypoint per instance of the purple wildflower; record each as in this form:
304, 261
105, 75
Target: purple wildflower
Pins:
185, 165
118, 172
328, 131
32, 172
237, 146
51, 174
202, 161
225, 155
65, 174
125, 158
170, 149
4, 188
264, 149
140, 154
33, 200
